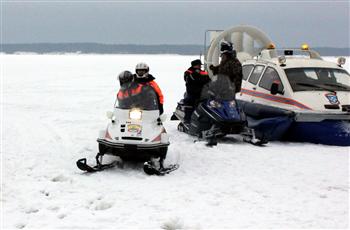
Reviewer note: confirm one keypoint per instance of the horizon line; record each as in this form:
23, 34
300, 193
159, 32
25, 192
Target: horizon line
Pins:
134, 44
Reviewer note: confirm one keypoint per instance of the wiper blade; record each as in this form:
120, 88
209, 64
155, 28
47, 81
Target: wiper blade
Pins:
308, 84
337, 85
315, 86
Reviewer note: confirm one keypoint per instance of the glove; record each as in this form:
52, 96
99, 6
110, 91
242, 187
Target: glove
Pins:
215, 69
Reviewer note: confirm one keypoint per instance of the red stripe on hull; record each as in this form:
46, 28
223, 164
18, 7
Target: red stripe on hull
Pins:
278, 99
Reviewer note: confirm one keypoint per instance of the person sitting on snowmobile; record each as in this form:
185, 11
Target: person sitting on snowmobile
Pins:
195, 79
143, 77
125, 77
125, 80
136, 111
229, 65
133, 94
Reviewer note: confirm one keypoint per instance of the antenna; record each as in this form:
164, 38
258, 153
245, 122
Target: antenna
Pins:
213, 35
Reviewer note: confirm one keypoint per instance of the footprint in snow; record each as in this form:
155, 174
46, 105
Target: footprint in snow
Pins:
61, 216
173, 224
31, 210
53, 208
46, 193
99, 203
20, 225
59, 178
103, 205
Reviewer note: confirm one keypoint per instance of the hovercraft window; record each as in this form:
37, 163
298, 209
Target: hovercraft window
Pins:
254, 77
318, 79
247, 69
270, 76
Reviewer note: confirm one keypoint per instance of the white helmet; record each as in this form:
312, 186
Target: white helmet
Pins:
141, 70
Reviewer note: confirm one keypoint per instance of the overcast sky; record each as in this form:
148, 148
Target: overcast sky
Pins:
290, 23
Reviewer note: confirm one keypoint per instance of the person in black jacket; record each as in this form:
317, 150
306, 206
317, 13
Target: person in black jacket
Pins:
195, 79
229, 65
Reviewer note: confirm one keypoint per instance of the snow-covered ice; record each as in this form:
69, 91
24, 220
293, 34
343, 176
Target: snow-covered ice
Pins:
53, 107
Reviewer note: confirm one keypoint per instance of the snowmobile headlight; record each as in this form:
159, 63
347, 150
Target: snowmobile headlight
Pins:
214, 104
135, 114
232, 104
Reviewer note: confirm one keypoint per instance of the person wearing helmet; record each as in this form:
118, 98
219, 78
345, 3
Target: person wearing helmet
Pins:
195, 79
142, 76
133, 94
125, 77
126, 83
229, 65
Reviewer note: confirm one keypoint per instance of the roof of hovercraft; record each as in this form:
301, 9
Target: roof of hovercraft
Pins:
253, 45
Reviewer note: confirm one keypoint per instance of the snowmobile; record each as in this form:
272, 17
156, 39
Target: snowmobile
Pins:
135, 133
217, 115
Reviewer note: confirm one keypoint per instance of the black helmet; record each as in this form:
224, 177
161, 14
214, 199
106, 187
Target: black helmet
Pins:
125, 77
226, 47
196, 62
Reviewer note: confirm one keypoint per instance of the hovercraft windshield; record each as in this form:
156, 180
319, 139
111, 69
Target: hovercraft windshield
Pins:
318, 79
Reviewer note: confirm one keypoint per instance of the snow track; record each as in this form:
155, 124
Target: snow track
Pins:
54, 106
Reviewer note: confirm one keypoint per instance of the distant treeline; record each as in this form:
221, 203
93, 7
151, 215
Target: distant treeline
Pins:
97, 48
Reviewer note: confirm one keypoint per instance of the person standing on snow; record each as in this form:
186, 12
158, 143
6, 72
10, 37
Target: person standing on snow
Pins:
229, 65
143, 77
195, 79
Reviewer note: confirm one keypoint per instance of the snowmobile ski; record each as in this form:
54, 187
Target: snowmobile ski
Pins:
149, 169
250, 137
149, 166
174, 118
82, 165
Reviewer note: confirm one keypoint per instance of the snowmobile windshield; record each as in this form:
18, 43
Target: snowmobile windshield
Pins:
137, 96
219, 88
318, 79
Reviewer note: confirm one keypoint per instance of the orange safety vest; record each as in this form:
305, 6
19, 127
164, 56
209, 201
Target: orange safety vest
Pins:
202, 72
156, 88
122, 94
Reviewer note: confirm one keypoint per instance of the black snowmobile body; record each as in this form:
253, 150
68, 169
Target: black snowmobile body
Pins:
217, 115
132, 152
204, 117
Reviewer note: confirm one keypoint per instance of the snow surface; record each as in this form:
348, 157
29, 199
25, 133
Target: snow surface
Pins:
53, 107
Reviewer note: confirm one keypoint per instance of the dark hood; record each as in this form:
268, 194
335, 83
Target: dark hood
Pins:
143, 80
